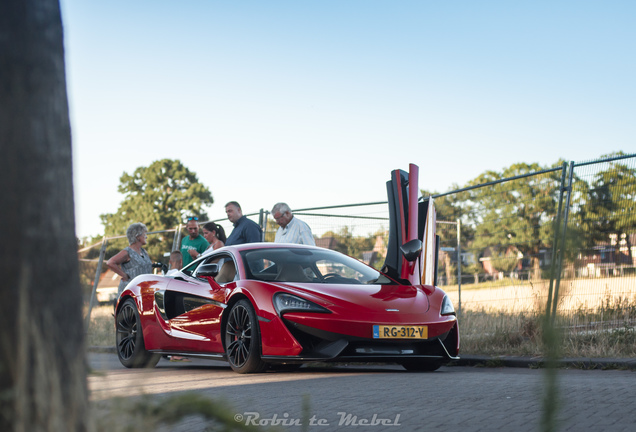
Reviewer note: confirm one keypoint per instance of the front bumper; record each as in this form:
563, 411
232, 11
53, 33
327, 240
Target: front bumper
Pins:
326, 346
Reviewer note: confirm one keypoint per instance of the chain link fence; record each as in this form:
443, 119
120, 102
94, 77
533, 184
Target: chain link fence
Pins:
561, 241
597, 288
507, 232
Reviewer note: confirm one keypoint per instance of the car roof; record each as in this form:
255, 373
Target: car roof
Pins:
266, 245
260, 245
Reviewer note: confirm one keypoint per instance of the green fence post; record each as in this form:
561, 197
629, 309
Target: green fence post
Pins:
563, 232
555, 242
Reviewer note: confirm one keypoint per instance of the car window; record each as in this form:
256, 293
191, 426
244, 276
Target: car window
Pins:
330, 267
190, 268
227, 268
309, 266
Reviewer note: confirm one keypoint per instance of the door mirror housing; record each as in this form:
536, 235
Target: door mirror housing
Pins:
412, 249
210, 270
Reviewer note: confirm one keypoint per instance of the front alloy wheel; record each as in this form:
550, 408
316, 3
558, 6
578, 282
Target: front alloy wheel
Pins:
130, 339
242, 339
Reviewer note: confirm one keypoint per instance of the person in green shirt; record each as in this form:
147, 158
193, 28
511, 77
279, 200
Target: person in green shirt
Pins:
194, 244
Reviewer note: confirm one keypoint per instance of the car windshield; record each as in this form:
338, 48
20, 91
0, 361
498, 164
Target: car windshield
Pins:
309, 266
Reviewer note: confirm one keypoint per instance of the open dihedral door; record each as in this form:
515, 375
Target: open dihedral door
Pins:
410, 220
427, 230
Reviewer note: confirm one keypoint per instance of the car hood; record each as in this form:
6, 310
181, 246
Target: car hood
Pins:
369, 298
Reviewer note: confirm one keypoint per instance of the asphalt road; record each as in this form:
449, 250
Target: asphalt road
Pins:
381, 398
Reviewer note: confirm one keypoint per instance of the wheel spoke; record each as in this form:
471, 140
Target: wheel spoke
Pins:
127, 347
244, 351
245, 318
231, 330
234, 353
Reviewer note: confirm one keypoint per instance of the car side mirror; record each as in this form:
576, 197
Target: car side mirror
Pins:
412, 249
210, 270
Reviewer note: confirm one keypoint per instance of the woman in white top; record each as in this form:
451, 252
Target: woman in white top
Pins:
214, 234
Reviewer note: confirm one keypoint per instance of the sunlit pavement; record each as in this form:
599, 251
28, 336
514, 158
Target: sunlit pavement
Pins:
382, 397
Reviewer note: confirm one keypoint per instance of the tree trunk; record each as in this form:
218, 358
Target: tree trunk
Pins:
536, 268
630, 256
42, 361
448, 269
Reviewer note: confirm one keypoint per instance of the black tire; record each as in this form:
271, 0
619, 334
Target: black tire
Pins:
130, 338
421, 366
243, 339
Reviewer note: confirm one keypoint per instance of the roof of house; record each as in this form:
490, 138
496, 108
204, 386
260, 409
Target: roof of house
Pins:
326, 242
108, 279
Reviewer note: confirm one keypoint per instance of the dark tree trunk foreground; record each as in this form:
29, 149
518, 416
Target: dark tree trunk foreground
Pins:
42, 366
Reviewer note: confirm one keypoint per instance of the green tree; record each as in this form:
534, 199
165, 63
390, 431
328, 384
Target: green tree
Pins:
609, 215
451, 208
519, 213
506, 261
270, 232
161, 196
349, 244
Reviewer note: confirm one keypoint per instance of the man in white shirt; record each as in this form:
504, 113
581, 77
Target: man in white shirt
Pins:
292, 229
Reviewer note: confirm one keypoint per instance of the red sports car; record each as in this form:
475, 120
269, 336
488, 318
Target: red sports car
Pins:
264, 304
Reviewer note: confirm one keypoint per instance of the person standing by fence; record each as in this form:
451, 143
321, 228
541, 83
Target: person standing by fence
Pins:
292, 229
245, 230
214, 234
133, 260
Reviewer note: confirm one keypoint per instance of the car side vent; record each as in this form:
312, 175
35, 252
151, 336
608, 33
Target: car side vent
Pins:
159, 301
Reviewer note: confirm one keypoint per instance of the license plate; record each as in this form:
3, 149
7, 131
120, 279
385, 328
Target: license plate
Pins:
400, 332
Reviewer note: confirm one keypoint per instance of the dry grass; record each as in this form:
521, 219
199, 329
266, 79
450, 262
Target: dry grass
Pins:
516, 296
101, 331
596, 317
498, 333
501, 334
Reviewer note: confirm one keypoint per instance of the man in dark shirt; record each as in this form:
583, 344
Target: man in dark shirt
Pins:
245, 230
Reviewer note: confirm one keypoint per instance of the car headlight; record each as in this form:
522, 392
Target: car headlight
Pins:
447, 307
284, 302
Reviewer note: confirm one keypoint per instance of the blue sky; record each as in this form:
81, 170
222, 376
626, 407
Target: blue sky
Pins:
315, 102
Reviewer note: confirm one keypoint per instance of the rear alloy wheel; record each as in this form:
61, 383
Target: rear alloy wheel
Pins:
130, 338
243, 340
421, 366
